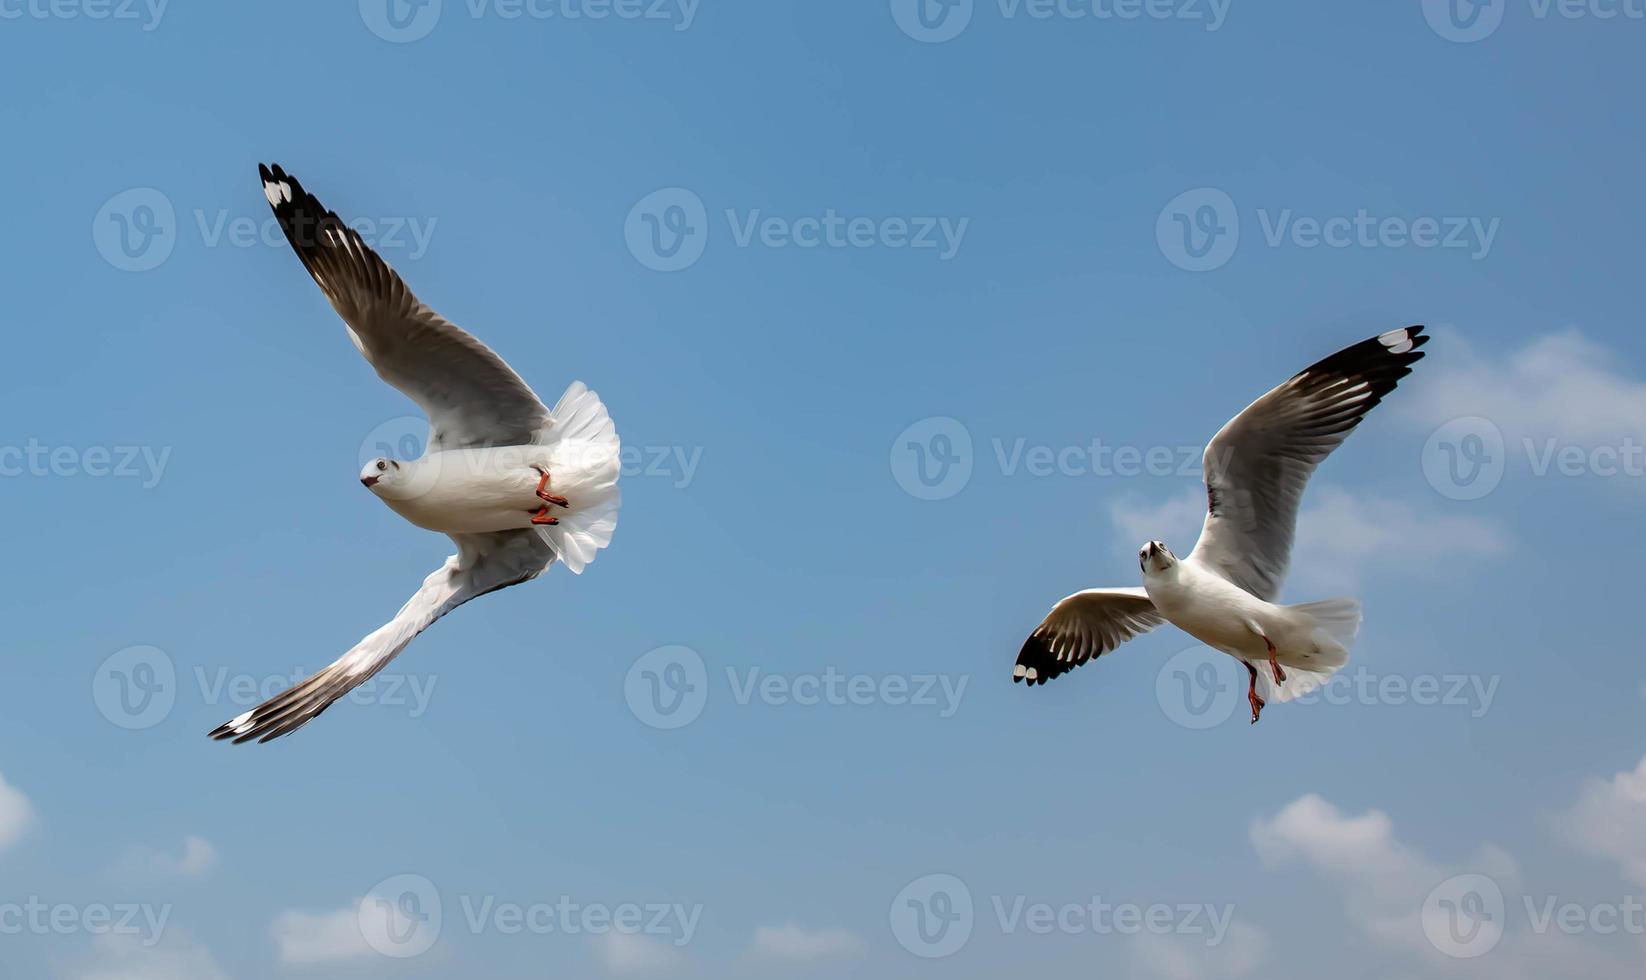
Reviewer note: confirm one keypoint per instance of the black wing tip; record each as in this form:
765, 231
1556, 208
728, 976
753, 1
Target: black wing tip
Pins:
1037, 664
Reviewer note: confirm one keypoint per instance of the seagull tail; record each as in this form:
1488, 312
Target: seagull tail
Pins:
1335, 623
585, 464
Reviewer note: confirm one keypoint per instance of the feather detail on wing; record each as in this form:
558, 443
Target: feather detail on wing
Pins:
1082, 627
472, 397
483, 563
1258, 464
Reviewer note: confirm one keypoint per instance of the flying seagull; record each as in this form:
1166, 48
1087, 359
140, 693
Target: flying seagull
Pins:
1223, 593
516, 485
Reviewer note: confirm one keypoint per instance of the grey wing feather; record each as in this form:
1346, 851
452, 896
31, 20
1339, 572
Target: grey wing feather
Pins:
472, 397
1083, 627
1258, 464
483, 563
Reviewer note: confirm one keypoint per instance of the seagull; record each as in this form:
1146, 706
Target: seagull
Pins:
515, 485
1223, 593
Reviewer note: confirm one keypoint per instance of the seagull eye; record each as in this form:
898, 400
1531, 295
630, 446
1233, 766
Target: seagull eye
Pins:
381, 466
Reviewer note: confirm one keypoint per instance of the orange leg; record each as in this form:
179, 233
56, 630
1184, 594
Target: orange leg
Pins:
544, 494
1274, 665
1251, 693
542, 517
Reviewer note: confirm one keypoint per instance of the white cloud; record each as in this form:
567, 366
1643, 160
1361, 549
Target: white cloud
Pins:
791, 942
16, 814
122, 957
1341, 536
1172, 957
1609, 821
1560, 386
197, 858
305, 937
626, 955
1385, 882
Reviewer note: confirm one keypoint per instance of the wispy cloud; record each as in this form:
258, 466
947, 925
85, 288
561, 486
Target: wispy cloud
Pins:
305, 937
121, 957
1561, 385
1342, 536
16, 814
197, 858
1608, 820
628, 955
1176, 957
795, 944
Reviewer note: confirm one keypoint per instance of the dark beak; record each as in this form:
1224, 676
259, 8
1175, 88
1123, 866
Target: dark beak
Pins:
368, 481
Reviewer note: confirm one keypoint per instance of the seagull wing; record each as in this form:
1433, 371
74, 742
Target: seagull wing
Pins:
483, 563
1258, 464
1083, 627
472, 398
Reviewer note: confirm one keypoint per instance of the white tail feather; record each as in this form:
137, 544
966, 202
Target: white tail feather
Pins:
585, 466
1336, 622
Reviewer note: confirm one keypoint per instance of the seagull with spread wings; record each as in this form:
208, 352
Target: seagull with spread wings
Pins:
1223, 593
515, 484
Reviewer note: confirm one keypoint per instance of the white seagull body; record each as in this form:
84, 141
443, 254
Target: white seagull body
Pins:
1223, 593
516, 485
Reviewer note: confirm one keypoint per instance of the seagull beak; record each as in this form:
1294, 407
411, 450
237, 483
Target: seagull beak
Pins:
368, 481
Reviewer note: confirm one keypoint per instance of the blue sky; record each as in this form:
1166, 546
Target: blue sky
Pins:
771, 730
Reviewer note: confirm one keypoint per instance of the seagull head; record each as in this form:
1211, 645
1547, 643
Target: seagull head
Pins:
1155, 558
379, 474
